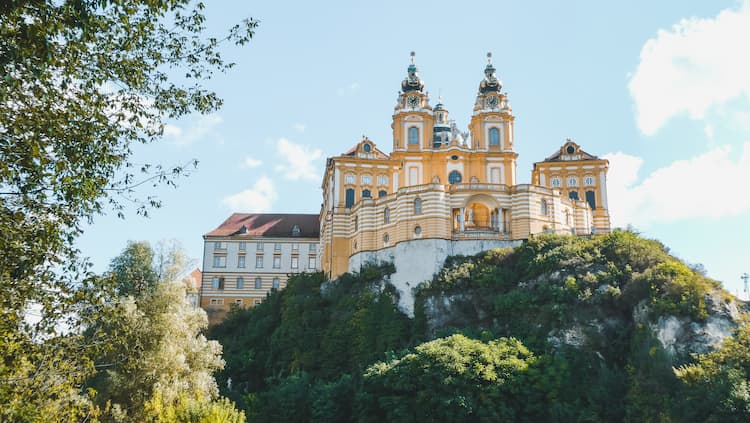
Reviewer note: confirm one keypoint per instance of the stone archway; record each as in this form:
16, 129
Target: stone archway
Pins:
480, 212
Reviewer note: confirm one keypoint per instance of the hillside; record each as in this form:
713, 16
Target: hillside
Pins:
608, 328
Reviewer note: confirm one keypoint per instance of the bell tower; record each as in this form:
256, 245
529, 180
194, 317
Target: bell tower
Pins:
413, 116
491, 124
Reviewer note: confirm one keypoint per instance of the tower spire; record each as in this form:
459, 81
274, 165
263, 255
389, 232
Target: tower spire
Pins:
412, 81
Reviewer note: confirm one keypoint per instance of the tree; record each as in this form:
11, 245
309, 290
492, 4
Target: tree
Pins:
133, 269
82, 82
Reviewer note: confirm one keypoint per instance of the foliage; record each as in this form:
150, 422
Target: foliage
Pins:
82, 83
133, 269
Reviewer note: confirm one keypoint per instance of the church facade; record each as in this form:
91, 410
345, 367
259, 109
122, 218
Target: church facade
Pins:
442, 191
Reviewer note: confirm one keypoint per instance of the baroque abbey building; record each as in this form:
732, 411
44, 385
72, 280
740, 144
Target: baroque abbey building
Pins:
442, 192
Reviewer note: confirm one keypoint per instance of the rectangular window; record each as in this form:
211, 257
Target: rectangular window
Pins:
240, 261
295, 247
349, 179
240, 283
313, 248
217, 282
295, 262
218, 245
256, 302
258, 262
220, 261
259, 246
216, 301
311, 263
277, 262
277, 246
258, 283
242, 246
366, 180
238, 301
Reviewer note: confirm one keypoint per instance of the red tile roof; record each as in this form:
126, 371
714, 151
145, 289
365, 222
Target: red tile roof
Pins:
268, 224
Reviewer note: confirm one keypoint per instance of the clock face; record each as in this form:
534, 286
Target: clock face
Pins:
413, 101
492, 101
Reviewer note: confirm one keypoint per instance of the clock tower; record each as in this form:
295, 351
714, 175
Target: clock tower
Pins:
413, 116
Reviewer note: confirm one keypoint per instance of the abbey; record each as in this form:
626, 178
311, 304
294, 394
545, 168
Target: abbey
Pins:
442, 191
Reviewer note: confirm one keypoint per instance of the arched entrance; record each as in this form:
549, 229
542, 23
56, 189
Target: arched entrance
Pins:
480, 213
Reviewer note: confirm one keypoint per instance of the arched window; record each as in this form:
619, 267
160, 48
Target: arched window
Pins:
276, 283
417, 230
454, 177
258, 283
382, 193
573, 195
591, 199
544, 207
386, 239
413, 135
366, 193
494, 136
417, 206
349, 197
386, 215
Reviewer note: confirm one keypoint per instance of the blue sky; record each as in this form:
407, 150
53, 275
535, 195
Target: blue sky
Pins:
659, 88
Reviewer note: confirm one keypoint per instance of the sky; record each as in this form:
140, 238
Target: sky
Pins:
660, 89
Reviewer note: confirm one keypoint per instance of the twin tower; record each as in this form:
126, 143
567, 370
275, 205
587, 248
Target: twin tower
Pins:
443, 192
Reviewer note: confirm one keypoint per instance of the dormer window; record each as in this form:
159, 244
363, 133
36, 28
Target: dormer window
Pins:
243, 230
295, 230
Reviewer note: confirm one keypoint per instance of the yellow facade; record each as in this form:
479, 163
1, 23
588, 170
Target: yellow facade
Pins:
440, 183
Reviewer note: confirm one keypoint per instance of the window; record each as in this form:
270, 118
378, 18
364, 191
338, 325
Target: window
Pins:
417, 206
240, 261
588, 181
572, 181
258, 283
591, 199
349, 179
367, 148
256, 301
494, 136
544, 208
238, 301
258, 262
349, 198
556, 182
220, 261
386, 215
277, 262
417, 230
295, 262
276, 283
216, 301
567, 217
277, 246
366, 193
259, 246
382, 180
366, 179
295, 230
386, 239
242, 245
240, 283
382, 193
313, 248
295, 247
311, 263
454, 177
573, 195
218, 245
356, 223
413, 135
217, 282
570, 149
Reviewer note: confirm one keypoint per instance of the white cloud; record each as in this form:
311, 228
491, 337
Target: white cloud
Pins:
251, 162
704, 186
258, 199
348, 90
692, 67
197, 130
301, 161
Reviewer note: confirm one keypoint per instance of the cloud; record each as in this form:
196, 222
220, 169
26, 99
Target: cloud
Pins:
301, 161
197, 130
258, 199
704, 186
692, 67
250, 162
348, 90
